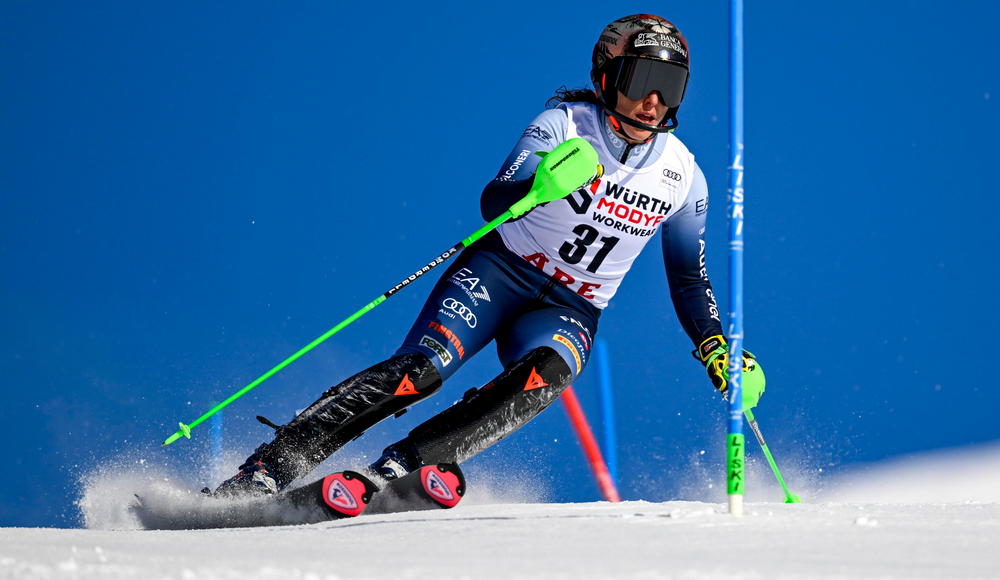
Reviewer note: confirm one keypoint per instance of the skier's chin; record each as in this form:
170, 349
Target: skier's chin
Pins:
635, 134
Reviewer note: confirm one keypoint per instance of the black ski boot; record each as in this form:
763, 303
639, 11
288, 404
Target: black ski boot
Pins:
253, 480
343, 413
394, 463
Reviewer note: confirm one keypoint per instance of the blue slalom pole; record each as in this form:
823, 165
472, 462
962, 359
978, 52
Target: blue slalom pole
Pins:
607, 408
735, 448
215, 442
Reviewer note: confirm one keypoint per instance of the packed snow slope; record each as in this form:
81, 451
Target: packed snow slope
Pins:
597, 540
886, 522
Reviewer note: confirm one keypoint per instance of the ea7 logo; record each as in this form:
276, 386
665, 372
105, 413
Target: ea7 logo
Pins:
537, 132
482, 293
471, 284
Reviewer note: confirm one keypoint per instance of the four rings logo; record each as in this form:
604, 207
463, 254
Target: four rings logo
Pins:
672, 174
461, 310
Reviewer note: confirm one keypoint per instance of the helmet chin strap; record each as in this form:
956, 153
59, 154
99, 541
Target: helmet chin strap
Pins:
615, 119
617, 129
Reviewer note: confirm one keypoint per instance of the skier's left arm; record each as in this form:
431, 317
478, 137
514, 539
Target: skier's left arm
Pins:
683, 241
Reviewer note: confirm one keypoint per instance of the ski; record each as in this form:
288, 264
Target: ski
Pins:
339, 495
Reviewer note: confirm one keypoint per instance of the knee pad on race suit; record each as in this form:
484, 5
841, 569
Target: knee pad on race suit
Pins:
486, 415
345, 411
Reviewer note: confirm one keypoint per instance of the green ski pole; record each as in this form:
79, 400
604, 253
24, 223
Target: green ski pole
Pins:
567, 168
789, 496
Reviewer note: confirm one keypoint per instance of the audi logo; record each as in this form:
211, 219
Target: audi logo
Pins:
461, 310
672, 174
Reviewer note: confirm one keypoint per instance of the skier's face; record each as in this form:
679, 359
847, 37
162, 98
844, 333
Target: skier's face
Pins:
649, 110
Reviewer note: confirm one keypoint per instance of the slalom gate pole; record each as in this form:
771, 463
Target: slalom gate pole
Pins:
215, 444
185, 430
590, 449
789, 496
556, 186
735, 448
607, 407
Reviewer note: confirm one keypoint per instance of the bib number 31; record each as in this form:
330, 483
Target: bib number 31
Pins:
574, 251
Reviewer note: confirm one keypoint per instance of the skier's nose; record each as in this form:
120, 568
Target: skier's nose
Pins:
651, 100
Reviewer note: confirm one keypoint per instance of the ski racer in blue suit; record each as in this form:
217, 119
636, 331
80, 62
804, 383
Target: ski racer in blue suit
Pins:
537, 284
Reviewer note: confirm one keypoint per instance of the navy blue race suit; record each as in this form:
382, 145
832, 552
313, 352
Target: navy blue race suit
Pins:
537, 286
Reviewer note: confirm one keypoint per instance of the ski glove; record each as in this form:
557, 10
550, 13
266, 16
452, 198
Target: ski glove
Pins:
714, 353
570, 166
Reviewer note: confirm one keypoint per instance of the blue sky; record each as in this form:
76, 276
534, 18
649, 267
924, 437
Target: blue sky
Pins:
191, 193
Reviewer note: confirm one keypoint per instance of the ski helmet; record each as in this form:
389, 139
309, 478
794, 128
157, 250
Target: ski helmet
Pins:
638, 55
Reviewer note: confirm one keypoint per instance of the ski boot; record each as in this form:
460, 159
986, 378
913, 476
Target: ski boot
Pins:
253, 480
393, 464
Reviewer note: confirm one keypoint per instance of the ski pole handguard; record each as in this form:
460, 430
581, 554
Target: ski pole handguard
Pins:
570, 166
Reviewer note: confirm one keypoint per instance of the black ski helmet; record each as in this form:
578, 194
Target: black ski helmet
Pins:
637, 55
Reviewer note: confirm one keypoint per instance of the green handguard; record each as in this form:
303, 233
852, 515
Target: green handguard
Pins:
570, 166
714, 354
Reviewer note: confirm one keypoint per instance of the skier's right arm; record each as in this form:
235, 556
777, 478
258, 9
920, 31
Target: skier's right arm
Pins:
515, 177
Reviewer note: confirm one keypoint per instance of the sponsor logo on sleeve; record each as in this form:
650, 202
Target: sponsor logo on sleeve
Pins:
513, 167
537, 132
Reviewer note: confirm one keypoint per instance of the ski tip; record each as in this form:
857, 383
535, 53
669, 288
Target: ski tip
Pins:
792, 498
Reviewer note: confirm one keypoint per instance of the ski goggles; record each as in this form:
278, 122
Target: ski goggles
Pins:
636, 77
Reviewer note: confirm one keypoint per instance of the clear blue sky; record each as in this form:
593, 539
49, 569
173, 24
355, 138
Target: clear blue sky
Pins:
190, 193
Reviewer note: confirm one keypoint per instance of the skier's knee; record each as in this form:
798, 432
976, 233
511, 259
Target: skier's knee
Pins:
488, 414
403, 374
547, 369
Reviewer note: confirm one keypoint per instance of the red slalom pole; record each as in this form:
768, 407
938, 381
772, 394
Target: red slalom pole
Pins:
589, 444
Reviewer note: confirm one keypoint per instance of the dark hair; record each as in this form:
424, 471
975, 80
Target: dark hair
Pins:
567, 95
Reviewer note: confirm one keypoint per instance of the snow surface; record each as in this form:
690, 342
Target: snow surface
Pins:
900, 519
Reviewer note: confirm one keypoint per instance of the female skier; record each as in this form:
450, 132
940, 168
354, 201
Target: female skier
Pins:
537, 284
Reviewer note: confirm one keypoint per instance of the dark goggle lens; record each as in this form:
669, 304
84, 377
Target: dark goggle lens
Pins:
637, 77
